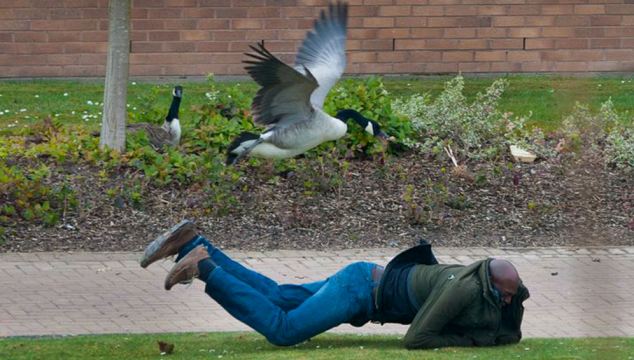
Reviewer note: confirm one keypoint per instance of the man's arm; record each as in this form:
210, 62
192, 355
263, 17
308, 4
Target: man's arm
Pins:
426, 330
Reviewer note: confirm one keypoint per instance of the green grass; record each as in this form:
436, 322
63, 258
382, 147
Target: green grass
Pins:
549, 98
253, 346
30, 101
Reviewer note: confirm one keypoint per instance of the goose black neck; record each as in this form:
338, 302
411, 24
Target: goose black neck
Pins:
346, 114
173, 112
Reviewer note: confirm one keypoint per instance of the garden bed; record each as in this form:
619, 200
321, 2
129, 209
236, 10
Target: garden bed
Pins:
60, 192
563, 202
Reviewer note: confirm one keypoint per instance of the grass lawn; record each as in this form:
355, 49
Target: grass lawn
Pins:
253, 346
549, 98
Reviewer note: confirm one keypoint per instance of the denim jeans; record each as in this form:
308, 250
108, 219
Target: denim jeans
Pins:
289, 314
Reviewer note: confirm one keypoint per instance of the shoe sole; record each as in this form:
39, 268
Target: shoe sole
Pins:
156, 249
184, 266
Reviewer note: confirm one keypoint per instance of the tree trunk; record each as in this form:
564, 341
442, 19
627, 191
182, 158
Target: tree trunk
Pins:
116, 88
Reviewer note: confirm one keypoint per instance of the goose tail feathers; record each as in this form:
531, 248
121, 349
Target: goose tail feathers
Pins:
241, 146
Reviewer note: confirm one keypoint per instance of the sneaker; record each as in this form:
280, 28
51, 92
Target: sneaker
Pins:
186, 270
169, 243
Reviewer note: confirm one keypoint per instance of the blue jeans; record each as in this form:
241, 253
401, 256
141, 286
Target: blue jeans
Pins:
289, 314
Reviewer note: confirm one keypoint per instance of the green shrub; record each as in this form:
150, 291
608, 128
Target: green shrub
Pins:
605, 130
372, 100
583, 128
10, 146
477, 130
26, 195
619, 148
33, 198
215, 133
223, 116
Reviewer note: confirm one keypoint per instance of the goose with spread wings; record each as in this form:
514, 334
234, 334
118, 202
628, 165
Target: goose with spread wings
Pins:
290, 99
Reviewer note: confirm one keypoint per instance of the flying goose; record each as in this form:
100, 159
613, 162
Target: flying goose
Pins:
290, 100
170, 132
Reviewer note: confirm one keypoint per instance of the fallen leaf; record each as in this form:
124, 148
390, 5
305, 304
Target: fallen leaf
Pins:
165, 348
561, 145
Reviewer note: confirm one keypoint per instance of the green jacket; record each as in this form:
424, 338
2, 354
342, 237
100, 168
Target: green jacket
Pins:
459, 309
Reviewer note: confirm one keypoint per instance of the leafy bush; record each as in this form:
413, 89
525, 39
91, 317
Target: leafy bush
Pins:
478, 130
30, 196
372, 100
224, 115
605, 130
214, 131
27, 164
583, 128
619, 149
25, 194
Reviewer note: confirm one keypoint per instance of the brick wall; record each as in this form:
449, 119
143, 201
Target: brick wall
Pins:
49, 38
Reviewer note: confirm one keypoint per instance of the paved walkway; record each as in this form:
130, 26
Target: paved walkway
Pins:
574, 292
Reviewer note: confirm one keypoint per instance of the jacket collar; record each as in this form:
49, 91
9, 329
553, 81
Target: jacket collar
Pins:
487, 285
481, 268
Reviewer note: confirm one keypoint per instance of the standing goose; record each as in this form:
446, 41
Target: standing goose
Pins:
290, 99
170, 132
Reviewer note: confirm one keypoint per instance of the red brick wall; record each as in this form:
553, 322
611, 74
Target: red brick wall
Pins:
48, 38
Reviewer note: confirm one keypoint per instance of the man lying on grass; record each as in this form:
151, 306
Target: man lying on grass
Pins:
446, 305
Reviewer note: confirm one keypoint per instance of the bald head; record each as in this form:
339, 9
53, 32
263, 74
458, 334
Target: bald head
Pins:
503, 270
505, 279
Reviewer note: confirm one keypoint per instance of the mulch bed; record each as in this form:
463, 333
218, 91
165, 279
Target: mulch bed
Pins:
567, 201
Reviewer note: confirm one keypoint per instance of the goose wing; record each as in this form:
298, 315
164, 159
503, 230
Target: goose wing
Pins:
158, 136
323, 51
284, 96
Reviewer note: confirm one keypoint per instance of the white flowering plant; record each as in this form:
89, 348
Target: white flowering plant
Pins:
606, 131
478, 129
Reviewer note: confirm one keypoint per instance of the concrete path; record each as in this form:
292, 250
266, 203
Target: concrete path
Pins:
574, 292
